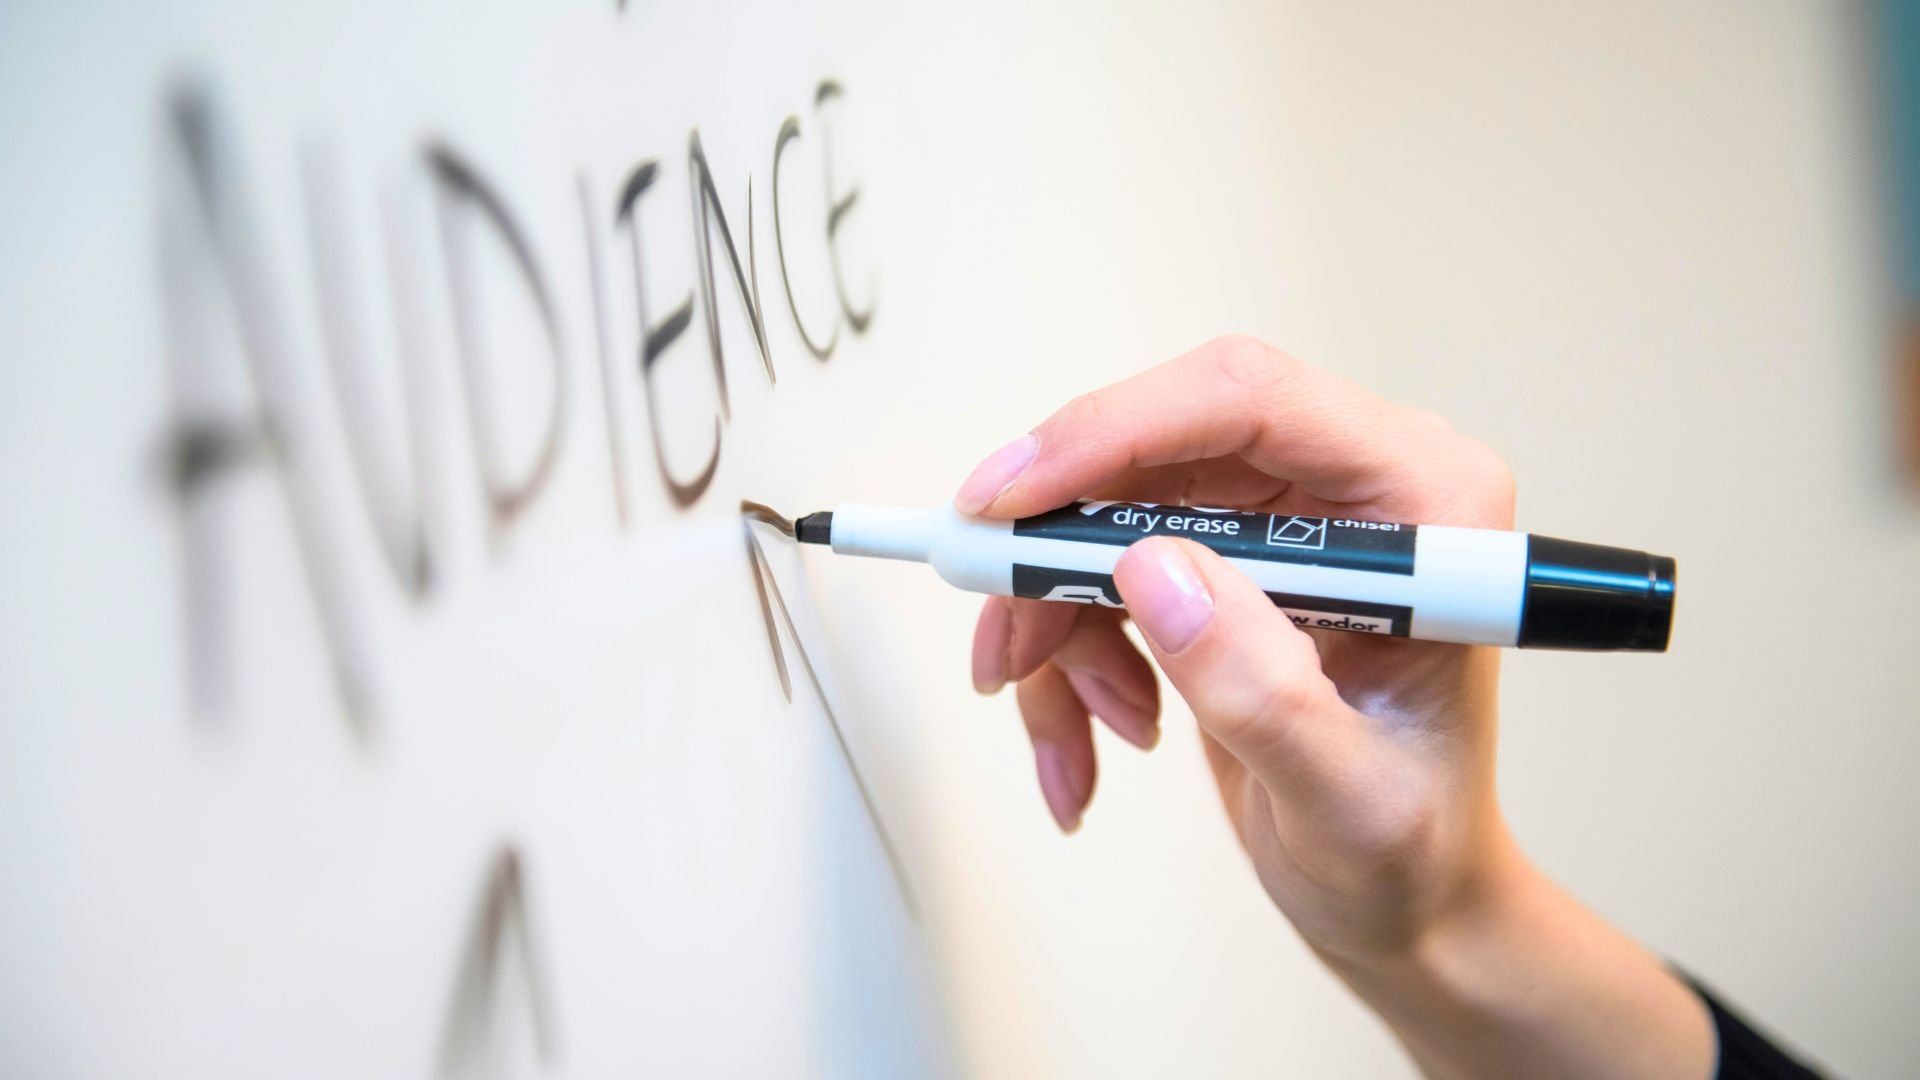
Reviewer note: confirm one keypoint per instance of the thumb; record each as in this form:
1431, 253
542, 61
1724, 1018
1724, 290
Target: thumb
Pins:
1252, 678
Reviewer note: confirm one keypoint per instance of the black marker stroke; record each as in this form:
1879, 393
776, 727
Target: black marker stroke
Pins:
208, 241
465, 1041
766, 515
768, 590
838, 209
654, 339
193, 456
596, 282
706, 214
399, 528
789, 131
461, 183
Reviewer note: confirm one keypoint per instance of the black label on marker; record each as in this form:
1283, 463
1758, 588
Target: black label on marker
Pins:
1316, 612
1073, 586
1373, 546
1327, 613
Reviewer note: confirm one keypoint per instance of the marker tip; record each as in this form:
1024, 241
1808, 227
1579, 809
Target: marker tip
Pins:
814, 528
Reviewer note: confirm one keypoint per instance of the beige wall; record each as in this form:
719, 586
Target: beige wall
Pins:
1631, 246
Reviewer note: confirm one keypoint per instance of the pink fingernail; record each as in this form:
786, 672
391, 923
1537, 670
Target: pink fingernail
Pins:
994, 475
1056, 783
1168, 600
1131, 722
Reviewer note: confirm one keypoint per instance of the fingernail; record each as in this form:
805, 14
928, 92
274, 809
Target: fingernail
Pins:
1168, 601
994, 475
1131, 722
1056, 784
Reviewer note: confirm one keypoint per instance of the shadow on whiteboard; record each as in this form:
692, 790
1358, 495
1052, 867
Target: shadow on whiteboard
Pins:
876, 1008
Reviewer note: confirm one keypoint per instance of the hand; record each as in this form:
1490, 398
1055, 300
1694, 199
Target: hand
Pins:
1357, 771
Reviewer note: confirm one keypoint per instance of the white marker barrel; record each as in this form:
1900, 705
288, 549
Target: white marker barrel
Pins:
1434, 582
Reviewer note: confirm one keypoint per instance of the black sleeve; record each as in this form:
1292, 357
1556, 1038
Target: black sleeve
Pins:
1745, 1054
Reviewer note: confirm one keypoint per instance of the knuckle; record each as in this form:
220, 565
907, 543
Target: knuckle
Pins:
1268, 709
1279, 713
1503, 484
1036, 631
1499, 489
1388, 832
1240, 716
1470, 484
1293, 697
1038, 699
1246, 361
1084, 412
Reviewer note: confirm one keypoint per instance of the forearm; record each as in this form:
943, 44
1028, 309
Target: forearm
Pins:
1517, 979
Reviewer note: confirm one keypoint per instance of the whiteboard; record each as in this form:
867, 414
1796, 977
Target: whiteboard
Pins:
398, 687
389, 685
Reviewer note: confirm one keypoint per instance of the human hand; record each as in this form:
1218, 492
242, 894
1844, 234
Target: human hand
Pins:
1357, 771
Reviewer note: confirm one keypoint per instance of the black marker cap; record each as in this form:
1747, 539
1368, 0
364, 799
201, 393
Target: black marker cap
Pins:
1585, 596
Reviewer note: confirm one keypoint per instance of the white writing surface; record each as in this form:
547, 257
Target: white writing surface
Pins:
434, 726
396, 685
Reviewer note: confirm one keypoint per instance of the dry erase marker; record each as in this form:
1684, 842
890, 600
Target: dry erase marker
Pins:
1435, 582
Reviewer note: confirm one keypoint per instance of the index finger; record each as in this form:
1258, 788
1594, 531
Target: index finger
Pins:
1234, 396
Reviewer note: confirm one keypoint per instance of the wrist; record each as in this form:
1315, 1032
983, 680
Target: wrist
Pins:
1514, 978
1442, 952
